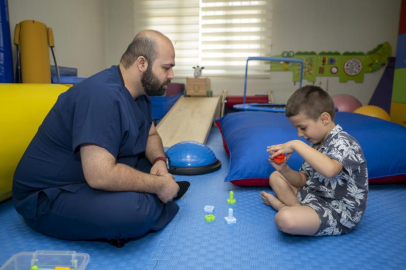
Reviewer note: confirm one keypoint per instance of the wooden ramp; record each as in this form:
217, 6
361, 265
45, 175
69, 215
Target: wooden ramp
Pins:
190, 119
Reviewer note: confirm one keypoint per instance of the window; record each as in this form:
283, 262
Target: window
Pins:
216, 34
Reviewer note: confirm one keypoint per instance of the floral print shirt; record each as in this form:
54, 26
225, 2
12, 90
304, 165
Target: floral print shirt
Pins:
341, 199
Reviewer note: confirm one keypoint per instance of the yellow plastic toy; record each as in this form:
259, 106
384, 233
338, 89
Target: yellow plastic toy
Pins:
23, 107
373, 111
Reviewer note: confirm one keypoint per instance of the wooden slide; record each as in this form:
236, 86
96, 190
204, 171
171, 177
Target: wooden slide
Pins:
190, 119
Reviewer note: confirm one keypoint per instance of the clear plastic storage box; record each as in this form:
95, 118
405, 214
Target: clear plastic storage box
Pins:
47, 260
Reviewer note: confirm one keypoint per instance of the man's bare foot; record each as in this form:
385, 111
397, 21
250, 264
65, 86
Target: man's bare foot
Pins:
271, 200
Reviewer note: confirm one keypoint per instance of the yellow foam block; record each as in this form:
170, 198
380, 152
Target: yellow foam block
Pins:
23, 107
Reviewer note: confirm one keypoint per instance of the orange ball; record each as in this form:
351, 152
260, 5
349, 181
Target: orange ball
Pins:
373, 111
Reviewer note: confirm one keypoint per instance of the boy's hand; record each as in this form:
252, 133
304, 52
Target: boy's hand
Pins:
279, 154
277, 165
285, 148
279, 159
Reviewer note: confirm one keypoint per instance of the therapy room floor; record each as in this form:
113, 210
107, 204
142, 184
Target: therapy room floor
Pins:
254, 242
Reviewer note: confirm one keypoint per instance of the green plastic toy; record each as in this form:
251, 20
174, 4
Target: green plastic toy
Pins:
210, 218
34, 267
231, 200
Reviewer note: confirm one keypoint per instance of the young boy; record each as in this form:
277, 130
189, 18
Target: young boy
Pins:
328, 195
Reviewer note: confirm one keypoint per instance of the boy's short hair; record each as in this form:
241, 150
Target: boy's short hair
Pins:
310, 100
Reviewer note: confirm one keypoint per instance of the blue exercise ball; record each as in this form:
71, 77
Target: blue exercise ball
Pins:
191, 158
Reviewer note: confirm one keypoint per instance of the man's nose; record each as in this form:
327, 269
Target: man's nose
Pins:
170, 74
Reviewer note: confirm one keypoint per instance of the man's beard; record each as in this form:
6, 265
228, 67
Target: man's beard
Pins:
152, 85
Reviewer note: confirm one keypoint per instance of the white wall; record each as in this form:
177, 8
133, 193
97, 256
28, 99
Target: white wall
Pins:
93, 34
331, 25
119, 30
78, 26
323, 25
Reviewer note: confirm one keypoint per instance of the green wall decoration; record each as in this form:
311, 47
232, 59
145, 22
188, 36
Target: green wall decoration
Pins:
347, 66
399, 86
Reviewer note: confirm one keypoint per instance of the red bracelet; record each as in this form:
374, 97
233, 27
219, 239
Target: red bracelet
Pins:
161, 158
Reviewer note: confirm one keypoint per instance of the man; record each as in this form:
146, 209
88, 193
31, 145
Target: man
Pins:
87, 173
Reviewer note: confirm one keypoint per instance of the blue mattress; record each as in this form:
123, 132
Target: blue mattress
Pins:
254, 242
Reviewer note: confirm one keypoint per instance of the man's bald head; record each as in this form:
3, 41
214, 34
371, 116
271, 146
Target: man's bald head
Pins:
144, 44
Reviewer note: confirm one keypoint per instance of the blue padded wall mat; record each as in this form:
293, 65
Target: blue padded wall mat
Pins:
254, 242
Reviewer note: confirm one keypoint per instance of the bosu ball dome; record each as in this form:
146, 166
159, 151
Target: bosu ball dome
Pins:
190, 158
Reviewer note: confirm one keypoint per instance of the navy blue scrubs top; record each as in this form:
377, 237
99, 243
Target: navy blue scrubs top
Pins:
100, 110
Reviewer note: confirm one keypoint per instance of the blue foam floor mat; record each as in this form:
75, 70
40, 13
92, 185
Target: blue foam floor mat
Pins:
254, 242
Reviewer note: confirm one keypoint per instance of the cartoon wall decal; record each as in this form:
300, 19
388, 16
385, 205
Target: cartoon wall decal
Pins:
347, 66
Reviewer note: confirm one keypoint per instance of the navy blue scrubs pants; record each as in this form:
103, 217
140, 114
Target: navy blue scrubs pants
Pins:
88, 213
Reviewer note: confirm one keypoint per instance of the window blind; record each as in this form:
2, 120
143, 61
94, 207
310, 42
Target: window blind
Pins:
179, 20
217, 34
231, 32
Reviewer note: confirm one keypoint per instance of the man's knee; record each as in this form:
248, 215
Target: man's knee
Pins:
141, 210
126, 215
149, 214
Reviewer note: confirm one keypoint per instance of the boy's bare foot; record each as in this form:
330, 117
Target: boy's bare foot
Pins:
271, 200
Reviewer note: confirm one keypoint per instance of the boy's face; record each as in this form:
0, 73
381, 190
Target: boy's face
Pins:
314, 131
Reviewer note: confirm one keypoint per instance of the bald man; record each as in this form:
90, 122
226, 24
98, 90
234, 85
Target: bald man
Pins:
96, 168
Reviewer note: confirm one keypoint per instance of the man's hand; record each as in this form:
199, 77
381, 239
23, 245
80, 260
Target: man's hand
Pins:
169, 189
159, 168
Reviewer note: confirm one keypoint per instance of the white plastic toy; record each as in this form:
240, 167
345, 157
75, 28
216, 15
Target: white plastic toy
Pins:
208, 209
230, 218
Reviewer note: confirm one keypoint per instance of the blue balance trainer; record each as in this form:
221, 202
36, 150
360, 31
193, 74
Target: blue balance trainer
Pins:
191, 158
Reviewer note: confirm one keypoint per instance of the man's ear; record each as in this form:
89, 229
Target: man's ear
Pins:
325, 118
142, 63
